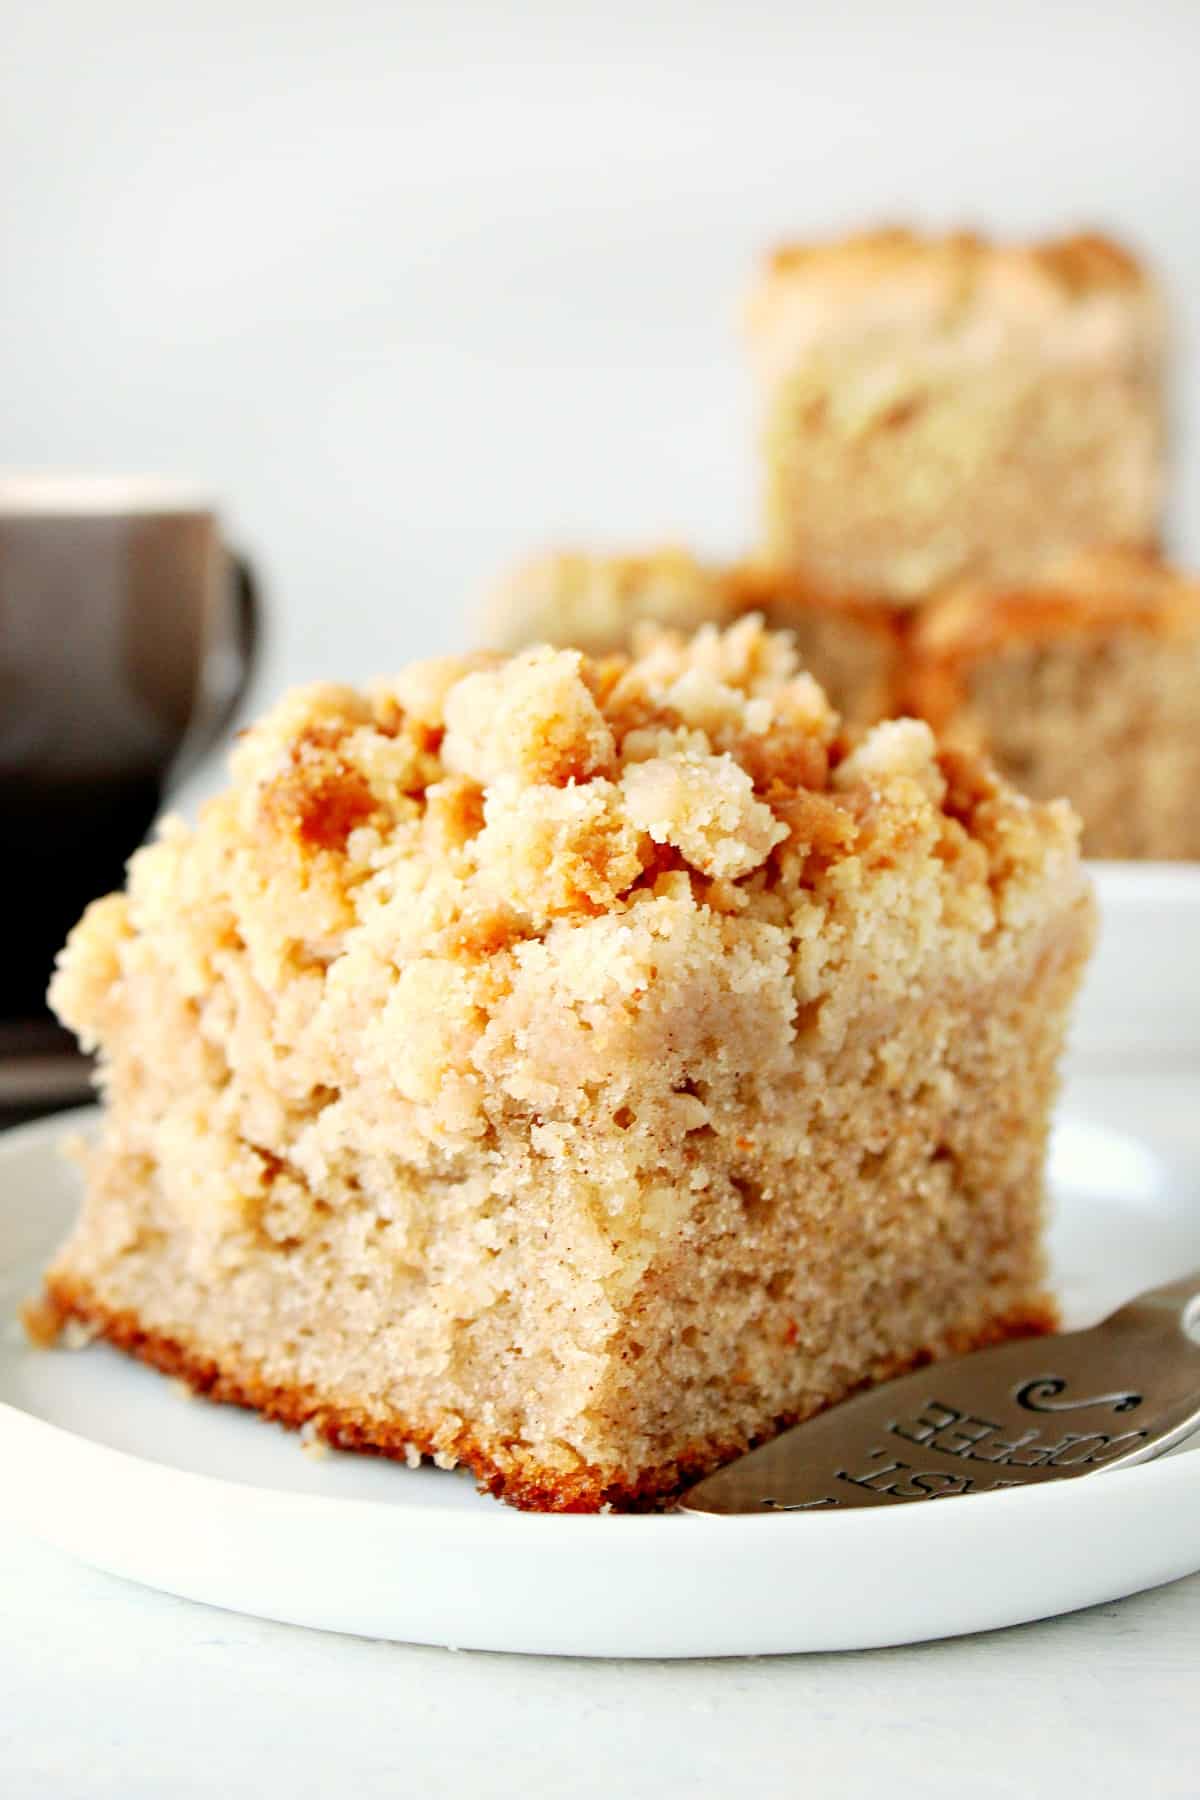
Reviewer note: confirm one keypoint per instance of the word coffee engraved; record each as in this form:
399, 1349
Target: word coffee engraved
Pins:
1022, 1416
954, 1433
951, 1432
1040, 1396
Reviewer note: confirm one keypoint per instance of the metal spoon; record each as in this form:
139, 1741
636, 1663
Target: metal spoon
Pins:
1043, 1409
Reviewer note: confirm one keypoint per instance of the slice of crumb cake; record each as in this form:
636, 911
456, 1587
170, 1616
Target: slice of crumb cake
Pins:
575, 1069
1086, 683
942, 407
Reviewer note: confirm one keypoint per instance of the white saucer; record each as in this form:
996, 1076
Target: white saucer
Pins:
104, 1459
1141, 993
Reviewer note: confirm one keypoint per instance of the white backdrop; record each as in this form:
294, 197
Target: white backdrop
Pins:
414, 287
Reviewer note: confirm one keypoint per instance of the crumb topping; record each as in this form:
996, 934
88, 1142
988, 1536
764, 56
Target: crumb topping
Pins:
533, 719
592, 896
1074, 302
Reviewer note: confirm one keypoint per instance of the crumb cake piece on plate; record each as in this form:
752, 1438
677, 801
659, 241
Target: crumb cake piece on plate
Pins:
577, 1070
943, 407
1085, 684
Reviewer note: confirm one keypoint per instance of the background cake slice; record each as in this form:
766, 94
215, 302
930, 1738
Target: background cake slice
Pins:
586, 600
1086, 683
599, 602
938, 408
577, 1070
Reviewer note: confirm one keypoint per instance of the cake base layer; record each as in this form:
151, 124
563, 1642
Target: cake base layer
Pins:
501, 1468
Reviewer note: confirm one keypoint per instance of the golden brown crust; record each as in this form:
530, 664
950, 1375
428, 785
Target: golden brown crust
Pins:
1090, 595
1093, 596
1077, 263
932, 648
496, 1469
43, 1317
319, 798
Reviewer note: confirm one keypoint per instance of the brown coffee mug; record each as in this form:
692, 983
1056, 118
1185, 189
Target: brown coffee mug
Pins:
127, 638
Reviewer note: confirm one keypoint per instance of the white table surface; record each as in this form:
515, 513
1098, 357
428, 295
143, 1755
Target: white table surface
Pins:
107, 1690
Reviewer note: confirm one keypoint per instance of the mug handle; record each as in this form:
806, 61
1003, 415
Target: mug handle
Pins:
247, 634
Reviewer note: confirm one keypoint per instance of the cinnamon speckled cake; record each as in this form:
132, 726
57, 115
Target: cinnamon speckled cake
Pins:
574, 1069
942, 408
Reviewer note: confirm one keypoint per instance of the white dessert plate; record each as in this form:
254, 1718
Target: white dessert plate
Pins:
108, 1461
1141, 994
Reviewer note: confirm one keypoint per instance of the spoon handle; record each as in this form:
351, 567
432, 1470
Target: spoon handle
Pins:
1175, 1304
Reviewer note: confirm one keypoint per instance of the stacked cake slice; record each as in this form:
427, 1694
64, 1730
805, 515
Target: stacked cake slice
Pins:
964, 474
